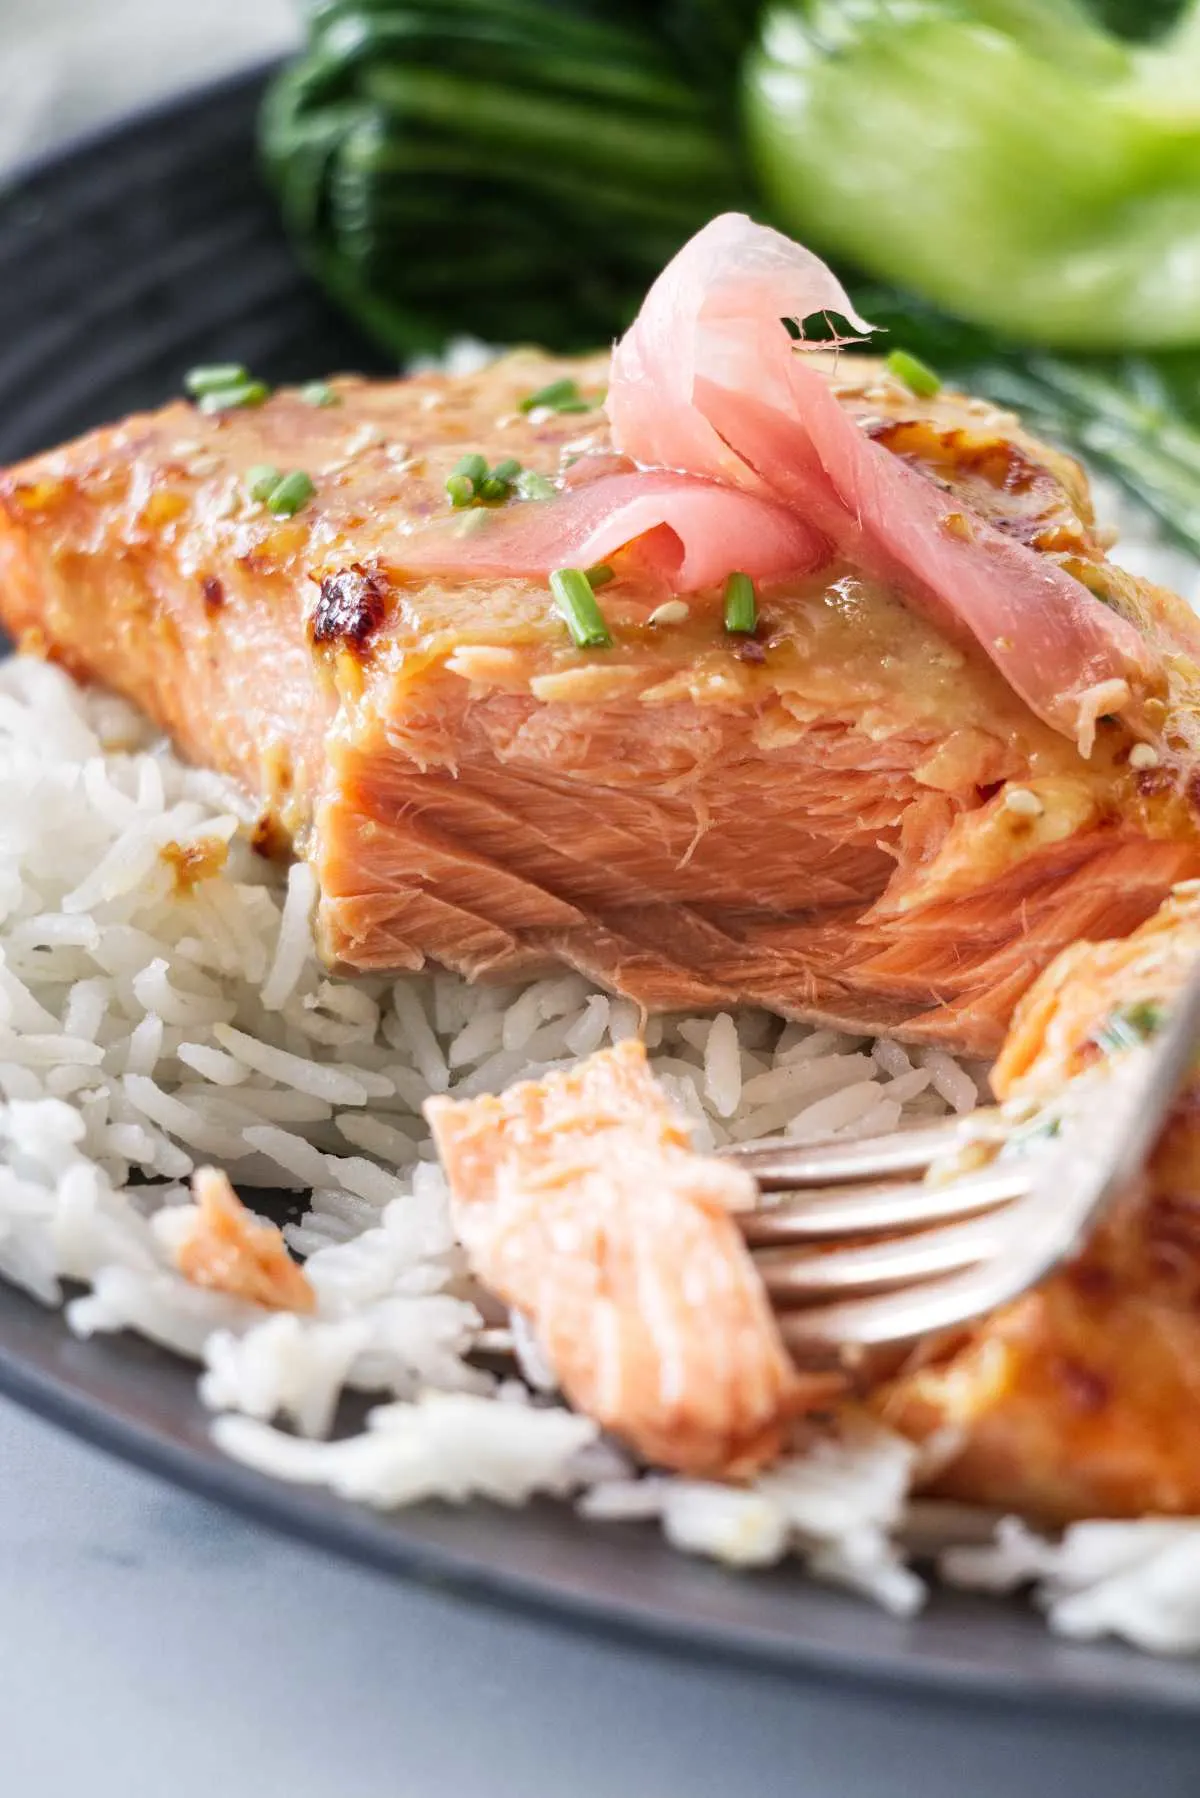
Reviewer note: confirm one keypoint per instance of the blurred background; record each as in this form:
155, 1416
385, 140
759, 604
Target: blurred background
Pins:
67, 66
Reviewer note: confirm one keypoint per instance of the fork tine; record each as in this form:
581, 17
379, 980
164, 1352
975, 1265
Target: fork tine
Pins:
890, 1205
902, 1316
790, 1274
782, 1166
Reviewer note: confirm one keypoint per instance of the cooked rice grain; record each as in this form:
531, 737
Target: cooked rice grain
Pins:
139, 1024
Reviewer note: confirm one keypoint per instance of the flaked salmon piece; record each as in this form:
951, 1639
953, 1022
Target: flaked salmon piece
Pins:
850, 816
581, 1204
1083, 1398
232, 1251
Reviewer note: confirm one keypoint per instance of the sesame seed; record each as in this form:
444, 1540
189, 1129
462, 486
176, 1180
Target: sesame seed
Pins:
1143, 755
1025, 803
674, 611
365, 437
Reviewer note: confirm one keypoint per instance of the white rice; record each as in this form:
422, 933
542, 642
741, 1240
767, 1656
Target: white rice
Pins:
142, 1029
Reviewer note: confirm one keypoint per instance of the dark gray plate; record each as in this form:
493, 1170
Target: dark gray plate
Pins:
121, 264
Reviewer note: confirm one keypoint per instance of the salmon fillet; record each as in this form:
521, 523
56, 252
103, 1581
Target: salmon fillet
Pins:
848, 817
580, 1202
1083, 1398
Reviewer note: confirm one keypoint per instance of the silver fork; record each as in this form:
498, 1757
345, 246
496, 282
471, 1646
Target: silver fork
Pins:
970, 1243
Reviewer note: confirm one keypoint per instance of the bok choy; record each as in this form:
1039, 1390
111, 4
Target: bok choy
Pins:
508, 168
1012, 161
1010, 187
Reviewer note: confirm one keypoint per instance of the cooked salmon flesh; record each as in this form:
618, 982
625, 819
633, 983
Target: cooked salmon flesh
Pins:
889, 803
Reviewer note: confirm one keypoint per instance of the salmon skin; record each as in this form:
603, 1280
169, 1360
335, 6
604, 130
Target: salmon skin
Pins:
1079, 1400
580, 1202
849, 815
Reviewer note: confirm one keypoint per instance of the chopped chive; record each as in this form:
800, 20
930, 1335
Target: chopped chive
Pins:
318, 393
1128, 1025
473, 466
559, 396
531, 485
460, 490
493, 488
262, 480
917, 376
212, 377
506, 471
741, 610
234, 397
576, 605
287, 496
600, 575
1040, 1128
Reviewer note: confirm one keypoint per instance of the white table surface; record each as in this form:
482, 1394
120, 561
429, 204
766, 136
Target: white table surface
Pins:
153, 1646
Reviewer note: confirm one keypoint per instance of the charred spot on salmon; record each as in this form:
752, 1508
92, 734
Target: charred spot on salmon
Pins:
747, 650
213, 590
350, 608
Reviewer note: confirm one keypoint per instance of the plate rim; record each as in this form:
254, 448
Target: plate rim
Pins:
354, 1532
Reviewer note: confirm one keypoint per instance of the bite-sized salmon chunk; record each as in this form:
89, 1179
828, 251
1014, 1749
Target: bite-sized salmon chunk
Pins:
230, 1250
1082, 1399
581, 1204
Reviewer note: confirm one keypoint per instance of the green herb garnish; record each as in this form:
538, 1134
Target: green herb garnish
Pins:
262, 480
917, 376
214, 378
473, 466
1043, 1127
559, 396
474, 482
600, 575
290, 494
531, 485
319, 393
576, 605
234, 398
1127, 1026
741, 609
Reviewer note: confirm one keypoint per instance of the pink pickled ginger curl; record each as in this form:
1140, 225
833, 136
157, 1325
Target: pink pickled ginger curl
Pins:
690, 532
707, 381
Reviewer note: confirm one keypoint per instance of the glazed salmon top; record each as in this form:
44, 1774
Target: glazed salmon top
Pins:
850, 813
